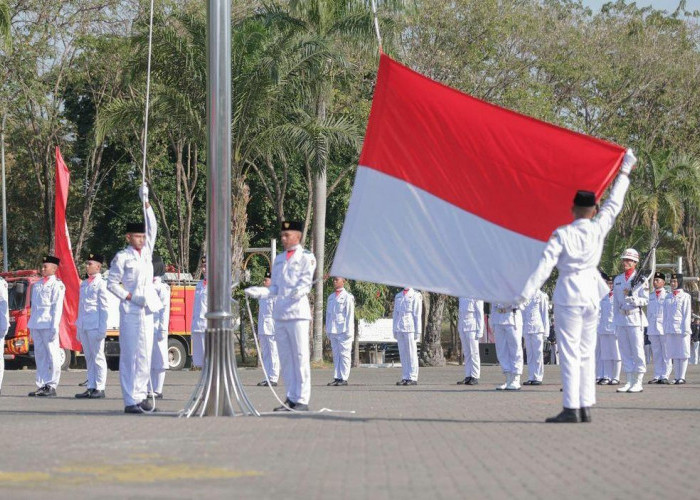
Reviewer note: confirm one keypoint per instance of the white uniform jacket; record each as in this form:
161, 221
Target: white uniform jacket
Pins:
505, 314
340, 313
93, 306
161, 320
408, 312
4, 309
677, 314
655, 312
575, 250
629, 303
292, 280
605, 316
470, 317
47, 304
536, 314
200, 308
131, 272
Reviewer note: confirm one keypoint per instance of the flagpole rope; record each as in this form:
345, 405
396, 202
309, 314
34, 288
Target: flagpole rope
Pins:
148, 95
376, 24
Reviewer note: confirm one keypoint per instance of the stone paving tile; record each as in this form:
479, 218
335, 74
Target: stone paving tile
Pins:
437, 440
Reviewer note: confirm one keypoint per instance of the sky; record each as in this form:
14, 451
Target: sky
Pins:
667, 5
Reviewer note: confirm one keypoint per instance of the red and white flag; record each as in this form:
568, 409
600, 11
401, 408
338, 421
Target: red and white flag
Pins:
67, 272
458, 196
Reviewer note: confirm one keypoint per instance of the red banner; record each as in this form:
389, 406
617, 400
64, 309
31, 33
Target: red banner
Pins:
67, 272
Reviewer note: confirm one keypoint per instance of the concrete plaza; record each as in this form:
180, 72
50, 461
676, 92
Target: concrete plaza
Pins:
434, 440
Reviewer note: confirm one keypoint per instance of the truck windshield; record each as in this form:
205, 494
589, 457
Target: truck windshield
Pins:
17, 295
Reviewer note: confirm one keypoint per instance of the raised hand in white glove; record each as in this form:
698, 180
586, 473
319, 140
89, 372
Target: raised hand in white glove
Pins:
628, 162
143, 192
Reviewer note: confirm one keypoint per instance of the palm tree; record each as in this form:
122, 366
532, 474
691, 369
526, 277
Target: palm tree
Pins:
5, 23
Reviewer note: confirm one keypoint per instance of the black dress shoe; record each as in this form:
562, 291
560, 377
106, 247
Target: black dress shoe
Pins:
265, 384
663, 381
83, 384
465, 381
47, 392
528, 382
567, 416
680, 381
473, 381
586, 414
301, 407
603, 381
135, 409
615, 381
35, 393
84, 395
653, 381
333, 382
411, 382
283, 407
97, 394
147, 405
159, 395
342, 382
401, 382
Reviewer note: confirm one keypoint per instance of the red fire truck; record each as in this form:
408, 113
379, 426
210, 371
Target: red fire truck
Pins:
19, 348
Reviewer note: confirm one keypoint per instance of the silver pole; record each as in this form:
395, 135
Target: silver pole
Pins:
219, 383
273, 251
679, 268
5, 266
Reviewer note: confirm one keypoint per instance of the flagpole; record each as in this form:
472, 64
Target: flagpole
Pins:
5, 266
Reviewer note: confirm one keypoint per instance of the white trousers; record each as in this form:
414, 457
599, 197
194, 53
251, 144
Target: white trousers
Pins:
553, 353
270, 356
341, 345
680, 367
611, 369
631, 342
408, 354
648, 353
662, 364
534, 345
159, 362
509, 348
576, 334
135, 347
694, 353
47, 357
292, 338
470, 348
599, 366
94, 350
197, 340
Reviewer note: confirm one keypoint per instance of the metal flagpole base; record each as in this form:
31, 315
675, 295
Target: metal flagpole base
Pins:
219, 385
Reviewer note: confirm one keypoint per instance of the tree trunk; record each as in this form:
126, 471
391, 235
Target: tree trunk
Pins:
356, 346
431, 349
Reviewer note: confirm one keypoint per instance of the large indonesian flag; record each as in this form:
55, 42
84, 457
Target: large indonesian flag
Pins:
458, 196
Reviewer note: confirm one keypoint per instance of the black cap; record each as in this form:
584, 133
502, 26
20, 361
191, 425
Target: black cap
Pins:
268, 274
50, 259
659, 275
584, 199
292, 225
135, 227
96, 257
679, 277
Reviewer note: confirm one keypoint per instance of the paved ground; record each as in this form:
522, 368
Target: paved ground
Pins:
435, 440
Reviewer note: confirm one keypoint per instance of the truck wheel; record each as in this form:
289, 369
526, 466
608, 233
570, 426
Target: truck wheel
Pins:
65, 358
177, 354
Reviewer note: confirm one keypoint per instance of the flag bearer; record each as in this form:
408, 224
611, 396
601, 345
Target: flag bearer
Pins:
609, 350
677, 314
507, 323
4, 322
199, 321
340, 328
47, 308
266, 331
576, 249
131, 280
91, 327
407, 327
161, 322
470, 325
535, 323
655, 330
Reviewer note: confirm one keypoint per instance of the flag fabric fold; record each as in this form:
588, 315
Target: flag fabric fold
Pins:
67, 272
459, 196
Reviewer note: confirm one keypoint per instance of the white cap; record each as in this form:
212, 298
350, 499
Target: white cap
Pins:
630, 254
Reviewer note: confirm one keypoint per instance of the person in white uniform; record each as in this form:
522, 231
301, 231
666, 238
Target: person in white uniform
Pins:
161, 324
407, 325
655, 330
4, 323
266, 333
292, 279
340, 328
91, 327
44, 323
609, 350
694, 342
199, 322
470, 325
507, 323
131, 280
677, 314
535, 324
629, 319
575, 250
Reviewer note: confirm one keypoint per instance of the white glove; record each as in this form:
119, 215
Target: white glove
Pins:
139, 300
143, 193
628, 162
250, 292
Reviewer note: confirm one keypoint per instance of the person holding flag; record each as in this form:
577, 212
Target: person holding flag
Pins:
576, 249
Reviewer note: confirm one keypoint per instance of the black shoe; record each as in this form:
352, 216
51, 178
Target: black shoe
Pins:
615, 381
333, 382
342, 382
36, 393
159, 395
535, 382
84, 395
528, 382
653, 381
465, 381
154, 395
679, 381
300, 407
586, 414
411, 382
50, 392
83, 384
135, 409
604, 381
567, 416
263, 383
663, 381
401, 382
473, 381
283, 407
97, 394
147, 405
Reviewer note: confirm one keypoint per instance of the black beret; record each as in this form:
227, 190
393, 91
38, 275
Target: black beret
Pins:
677, 276
293, 225
584, 199
96, 257
50, 259
135, 227
660, 275
268, 274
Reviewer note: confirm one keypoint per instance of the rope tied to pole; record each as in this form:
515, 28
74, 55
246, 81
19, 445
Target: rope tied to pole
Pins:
376, 25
